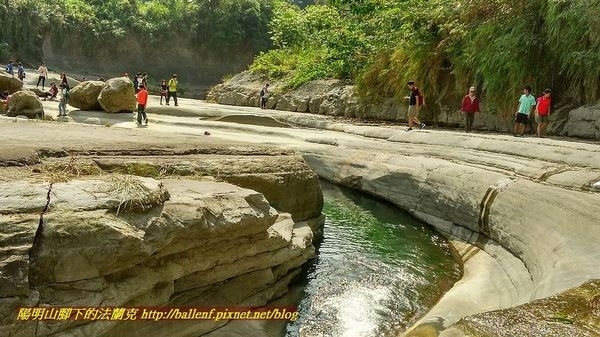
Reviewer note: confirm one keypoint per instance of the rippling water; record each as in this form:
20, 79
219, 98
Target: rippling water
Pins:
378, 269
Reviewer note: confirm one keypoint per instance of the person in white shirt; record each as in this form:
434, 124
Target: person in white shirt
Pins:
43, 72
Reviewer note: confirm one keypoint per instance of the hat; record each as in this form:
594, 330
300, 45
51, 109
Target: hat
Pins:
174, 75
472, 89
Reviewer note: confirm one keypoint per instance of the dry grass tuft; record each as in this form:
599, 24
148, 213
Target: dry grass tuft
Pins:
132, 193
74, 168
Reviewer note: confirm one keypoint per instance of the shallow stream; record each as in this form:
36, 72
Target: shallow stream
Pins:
378, 270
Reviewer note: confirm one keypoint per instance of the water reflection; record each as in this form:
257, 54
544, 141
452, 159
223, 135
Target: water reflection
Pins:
378, 269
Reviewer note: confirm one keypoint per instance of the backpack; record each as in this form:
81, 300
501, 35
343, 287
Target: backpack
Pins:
420, 96
262, 92
67, 94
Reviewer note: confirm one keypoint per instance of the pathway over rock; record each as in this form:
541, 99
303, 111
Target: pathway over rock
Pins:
522, 212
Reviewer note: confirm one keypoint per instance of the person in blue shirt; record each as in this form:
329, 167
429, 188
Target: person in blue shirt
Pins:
527, 104
9, 68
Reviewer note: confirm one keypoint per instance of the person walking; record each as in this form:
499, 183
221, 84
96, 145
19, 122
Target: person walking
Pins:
543, 112
470, 106
415, 102
526, 106
163, 90
264, 96
142, 100
43, 73
64, 96
172, 89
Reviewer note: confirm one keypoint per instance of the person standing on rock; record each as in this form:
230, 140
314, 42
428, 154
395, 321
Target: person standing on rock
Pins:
543, 112
62, 104
172, 89
526, 106
21, 72
10, 67
64, 81
415, 103
43, 73
470, 106
264, 96
142, 100
163, 90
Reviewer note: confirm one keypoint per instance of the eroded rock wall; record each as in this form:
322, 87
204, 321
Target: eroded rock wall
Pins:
338, 98
79, 233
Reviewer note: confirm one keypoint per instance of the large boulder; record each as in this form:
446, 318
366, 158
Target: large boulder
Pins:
583, 122
117, 95
25, 103
85, 95
9, 82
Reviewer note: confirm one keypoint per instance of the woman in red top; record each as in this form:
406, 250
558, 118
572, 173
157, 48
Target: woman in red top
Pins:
543, 112
469, 106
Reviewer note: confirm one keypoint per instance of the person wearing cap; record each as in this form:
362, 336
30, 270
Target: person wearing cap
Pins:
43, 73
172, 89
469, 106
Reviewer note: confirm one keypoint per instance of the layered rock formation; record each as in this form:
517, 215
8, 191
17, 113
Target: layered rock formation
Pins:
338, 98
118, 231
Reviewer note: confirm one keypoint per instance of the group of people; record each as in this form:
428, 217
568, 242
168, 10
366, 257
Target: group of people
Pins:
167, 91
10, 68
528, 107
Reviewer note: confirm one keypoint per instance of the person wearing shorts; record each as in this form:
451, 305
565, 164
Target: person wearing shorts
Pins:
526, 106
543, 112
415, 102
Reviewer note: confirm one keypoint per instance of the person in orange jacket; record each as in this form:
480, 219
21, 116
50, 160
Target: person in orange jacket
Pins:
142, 100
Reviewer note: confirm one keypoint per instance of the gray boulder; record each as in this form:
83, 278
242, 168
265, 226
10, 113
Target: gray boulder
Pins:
583, 122
117, 95
9, 82
85, 95
25, 103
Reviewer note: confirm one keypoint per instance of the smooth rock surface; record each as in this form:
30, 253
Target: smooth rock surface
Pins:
25, 103
85, 95
117, 95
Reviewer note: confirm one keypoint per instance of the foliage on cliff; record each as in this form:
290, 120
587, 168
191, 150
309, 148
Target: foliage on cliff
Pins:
446, 46
209, 26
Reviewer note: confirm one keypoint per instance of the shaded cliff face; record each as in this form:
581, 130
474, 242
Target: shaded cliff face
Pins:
197, 70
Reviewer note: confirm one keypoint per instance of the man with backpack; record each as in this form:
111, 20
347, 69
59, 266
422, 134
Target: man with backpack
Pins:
415, 102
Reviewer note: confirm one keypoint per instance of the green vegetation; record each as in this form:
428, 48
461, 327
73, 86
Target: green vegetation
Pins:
216, 26
446, 46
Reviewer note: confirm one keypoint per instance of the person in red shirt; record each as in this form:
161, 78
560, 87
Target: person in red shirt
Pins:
469, 106
543, 112
142, 100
